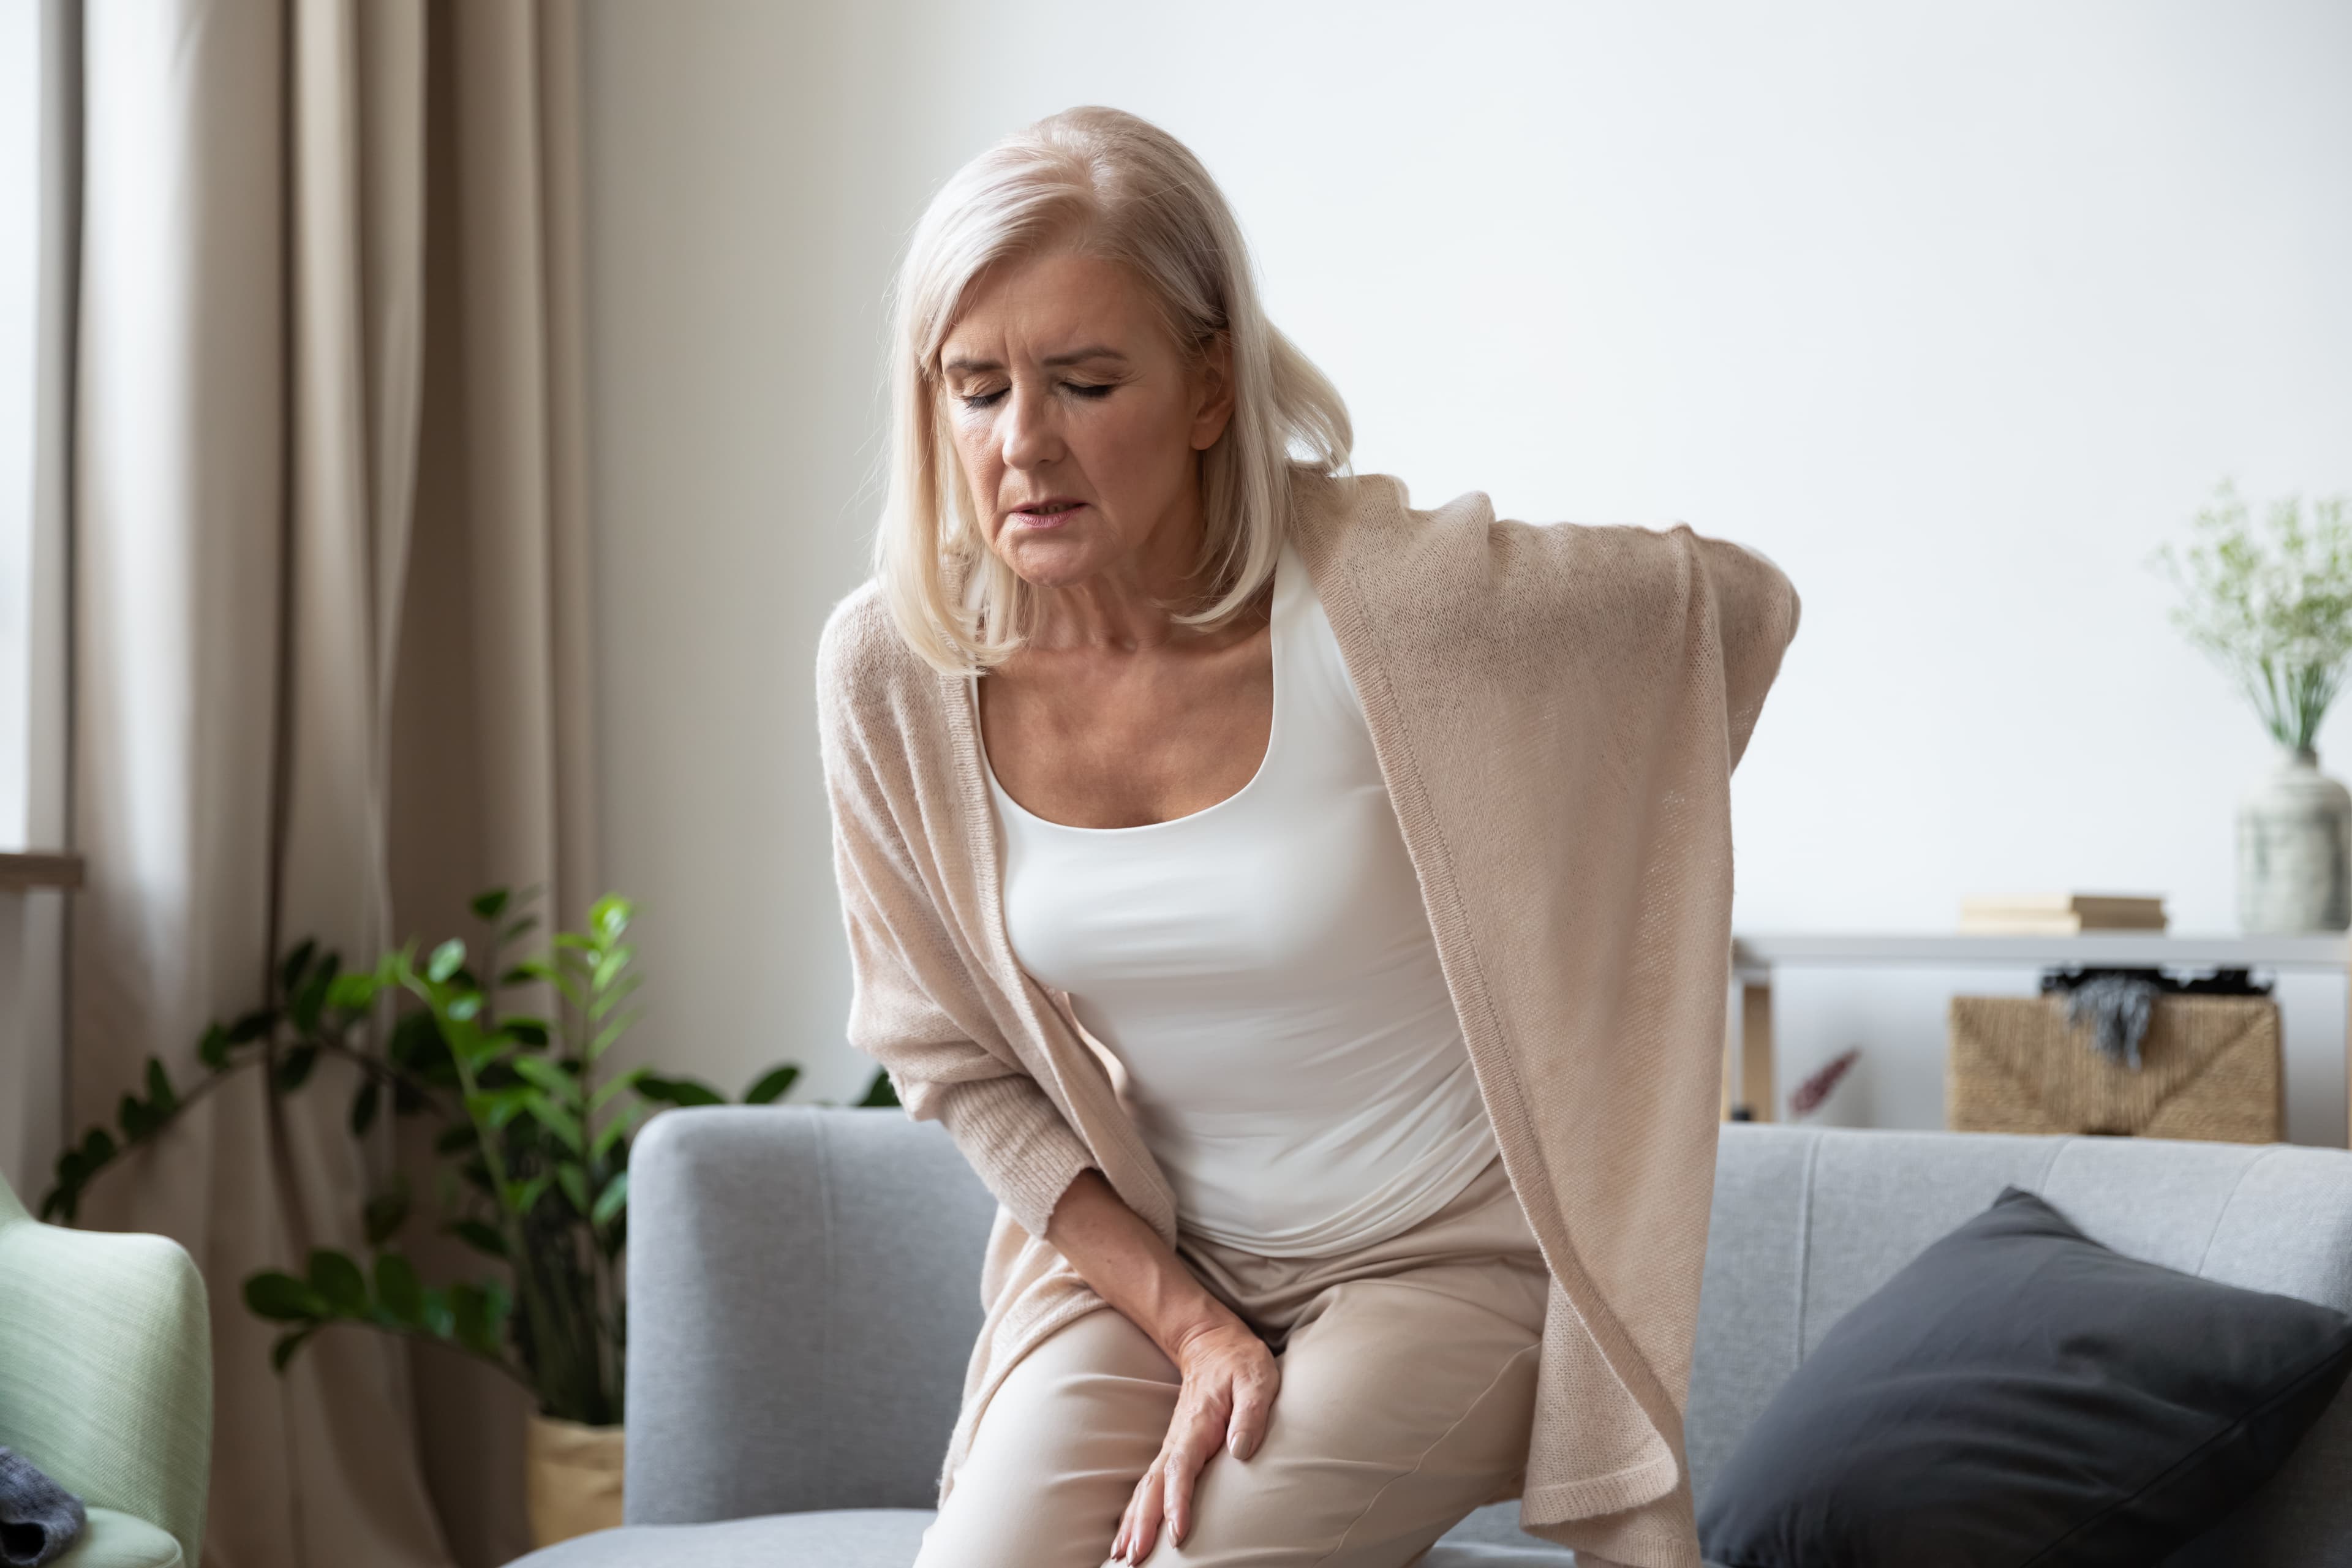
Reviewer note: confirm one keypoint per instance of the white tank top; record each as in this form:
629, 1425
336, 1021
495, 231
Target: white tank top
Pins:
1264, 973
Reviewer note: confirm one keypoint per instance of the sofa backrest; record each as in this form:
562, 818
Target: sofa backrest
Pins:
803, 1290
1809, 1221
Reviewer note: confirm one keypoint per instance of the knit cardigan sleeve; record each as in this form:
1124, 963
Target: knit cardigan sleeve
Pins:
1756, 609
916, 1006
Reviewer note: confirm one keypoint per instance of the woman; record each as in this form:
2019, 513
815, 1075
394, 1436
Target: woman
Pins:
1308, 914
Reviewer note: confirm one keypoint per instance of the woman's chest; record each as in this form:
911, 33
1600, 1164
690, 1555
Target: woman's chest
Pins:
1104, 744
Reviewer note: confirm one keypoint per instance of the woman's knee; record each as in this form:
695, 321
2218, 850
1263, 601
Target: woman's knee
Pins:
1400, 1411
1057, 1450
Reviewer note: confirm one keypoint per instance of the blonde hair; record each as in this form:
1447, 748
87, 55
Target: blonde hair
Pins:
1110, 185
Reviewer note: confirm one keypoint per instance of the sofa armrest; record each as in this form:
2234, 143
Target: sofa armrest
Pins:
106, 1369
803, 1292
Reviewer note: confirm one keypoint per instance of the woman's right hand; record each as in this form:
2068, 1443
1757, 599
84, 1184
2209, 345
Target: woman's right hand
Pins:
1230, 1379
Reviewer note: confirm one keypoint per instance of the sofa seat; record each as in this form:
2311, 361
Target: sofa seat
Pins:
889, 1537
109, 1539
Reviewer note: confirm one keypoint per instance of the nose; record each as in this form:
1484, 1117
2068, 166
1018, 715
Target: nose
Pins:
1030, 438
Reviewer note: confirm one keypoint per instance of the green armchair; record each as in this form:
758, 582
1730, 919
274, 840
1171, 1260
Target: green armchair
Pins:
105, 1383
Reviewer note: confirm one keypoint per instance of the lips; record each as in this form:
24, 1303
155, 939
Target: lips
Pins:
1049, 514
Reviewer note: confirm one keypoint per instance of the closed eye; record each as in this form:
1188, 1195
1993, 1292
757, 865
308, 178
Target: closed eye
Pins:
1093, 392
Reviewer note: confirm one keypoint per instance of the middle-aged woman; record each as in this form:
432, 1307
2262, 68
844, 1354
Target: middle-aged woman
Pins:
1309, 914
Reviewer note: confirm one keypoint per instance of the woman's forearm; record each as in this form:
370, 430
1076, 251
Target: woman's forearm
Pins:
1119, 1254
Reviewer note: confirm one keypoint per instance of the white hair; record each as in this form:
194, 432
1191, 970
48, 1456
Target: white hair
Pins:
1107, 184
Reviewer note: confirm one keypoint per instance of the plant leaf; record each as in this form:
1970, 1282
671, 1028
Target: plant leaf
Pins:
469, 1304
490, 905
527, 1195
574, 1184
311, 999
160, 1093
609, 916
252, 1026
564, 1124
613, 996
613, 1086
618, 1128
609, 967
481, 1237
548, 1077
283, 1351
609, 1201
213, 1051
416, 1044
353, 992
294, 1067
771, 1085
386, 1212
445, 960
881, 1091
290, 973
363, 1108
337, 1278
283, 1299
496, 1107
398, 1289
679, 1091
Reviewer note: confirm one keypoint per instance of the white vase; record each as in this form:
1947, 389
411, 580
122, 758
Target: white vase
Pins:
2295, 849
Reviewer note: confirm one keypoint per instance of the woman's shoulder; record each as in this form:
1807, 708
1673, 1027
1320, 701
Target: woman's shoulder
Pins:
1462, 566
857, 635
866, 673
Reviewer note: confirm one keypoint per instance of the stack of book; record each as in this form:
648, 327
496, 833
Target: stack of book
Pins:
2060, 914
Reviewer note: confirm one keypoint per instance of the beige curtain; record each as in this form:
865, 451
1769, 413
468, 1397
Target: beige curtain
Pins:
330, 655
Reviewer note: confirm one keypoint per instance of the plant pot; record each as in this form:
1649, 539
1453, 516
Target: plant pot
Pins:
571, 1478
2295, 849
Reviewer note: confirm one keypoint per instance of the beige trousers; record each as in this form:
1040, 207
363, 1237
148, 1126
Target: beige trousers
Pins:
1407, 1395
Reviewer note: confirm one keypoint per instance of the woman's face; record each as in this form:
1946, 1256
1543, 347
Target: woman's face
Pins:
1076, 421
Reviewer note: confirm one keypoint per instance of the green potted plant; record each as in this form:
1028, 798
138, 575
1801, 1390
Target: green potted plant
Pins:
2274, 609
535, 1177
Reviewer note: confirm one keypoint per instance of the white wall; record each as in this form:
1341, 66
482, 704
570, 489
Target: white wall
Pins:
1954, 311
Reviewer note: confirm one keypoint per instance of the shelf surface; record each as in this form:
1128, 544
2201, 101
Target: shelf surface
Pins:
1763, 950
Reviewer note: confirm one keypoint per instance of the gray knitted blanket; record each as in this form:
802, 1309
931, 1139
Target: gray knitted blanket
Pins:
2117, 1007
38, 1518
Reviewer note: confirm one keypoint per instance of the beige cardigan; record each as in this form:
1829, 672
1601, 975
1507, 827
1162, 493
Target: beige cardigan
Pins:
1557, 710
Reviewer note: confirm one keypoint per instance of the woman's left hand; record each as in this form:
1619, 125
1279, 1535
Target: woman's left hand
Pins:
1230, 1379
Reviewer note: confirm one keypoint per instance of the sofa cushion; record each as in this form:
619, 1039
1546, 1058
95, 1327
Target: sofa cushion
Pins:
111, 1539
2018, 1385
876, 1537
832, 1538
889, 1537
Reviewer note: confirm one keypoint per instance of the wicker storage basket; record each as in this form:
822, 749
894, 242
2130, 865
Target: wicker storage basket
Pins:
2210, 1067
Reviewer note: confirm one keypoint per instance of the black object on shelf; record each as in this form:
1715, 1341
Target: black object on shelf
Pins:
2117, 1002
2221, 983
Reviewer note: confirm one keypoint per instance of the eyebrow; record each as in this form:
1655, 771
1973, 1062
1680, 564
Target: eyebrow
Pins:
1096, 351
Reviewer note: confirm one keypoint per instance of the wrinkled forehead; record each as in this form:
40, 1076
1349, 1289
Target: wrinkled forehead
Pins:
1059, 308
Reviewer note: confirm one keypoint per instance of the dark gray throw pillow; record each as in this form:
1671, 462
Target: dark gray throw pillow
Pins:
2020, 1394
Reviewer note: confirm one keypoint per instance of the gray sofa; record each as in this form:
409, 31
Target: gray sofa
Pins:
802, 1291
